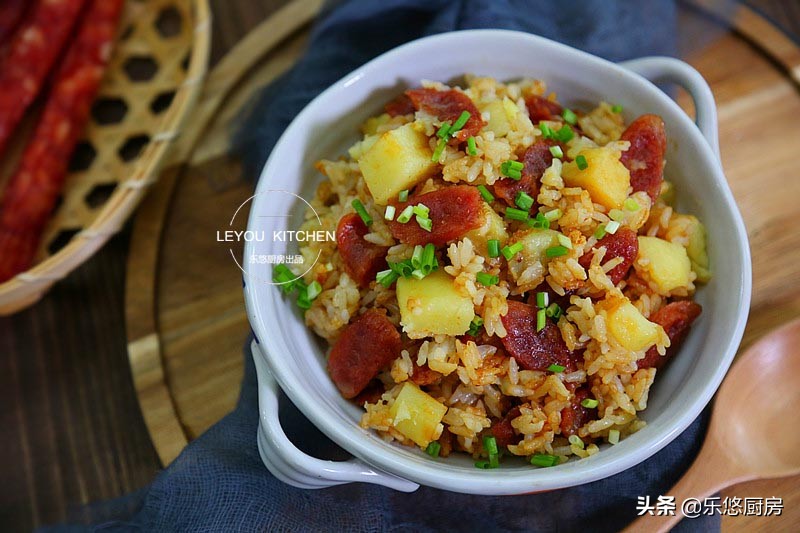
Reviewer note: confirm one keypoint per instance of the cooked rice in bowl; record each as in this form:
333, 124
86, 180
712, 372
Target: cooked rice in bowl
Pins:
507, 274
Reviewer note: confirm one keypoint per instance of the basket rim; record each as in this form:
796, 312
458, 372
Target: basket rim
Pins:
27, 287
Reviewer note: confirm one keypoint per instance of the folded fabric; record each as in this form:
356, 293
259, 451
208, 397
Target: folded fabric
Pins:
219, 482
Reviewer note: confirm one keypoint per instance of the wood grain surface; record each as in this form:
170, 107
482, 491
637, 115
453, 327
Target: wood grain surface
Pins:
72, 430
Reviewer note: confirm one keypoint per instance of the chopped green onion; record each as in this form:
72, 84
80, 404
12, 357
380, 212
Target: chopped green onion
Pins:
556, 251
416, 256
402, 268
387, 277
475, 326
553, 311
544, 460
362, 211
444, 130
471, 148
459, 123
590, 403
569, 116
542, 300
556, 369
425, 223
612, 227
613, 436
512, 169
616, 214
556, 151
631, 205
616, 108
483, 465
547, 132
433, 449
541, 319
524, 200
485, 194
421, 210
403, 196
516, 214
581, 162
486, 279
490, 445
576, 441
494, 460
429, 263
565, 134
313, 290
553, 215
493, 246
285, 278
437, 154
600, 232
509, 251
390, 211
405, 215
564, 241
540, 221
302, 301
418, 274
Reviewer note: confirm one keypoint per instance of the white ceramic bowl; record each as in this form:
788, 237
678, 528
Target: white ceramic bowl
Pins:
287, 350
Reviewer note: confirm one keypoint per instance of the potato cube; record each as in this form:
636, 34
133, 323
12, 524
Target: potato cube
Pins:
666, 263
501, 113
631, 329
433, 306
493, 228
398, 160
416, 414
696, 250
370, 127
605, 177
362, 146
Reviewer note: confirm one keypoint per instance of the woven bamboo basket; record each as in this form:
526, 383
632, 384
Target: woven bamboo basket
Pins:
153, 80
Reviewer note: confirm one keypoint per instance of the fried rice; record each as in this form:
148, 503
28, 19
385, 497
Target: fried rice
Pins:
490, 396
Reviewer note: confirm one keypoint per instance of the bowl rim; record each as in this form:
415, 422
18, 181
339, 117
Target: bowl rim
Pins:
432, 473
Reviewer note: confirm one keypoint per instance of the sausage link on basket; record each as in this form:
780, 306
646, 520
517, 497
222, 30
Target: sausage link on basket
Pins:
36, 184
11, 12
32, 53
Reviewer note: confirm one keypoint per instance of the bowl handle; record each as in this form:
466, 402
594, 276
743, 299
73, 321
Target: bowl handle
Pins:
292, 466
668, 69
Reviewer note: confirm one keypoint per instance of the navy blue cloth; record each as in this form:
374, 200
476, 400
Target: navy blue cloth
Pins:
219, 483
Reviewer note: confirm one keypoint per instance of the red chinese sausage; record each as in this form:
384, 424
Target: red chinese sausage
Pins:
534, 350
503, 431
454, 211
11, 12
402, 105
624, 244
425, 376
675, 318
367, 345
540, 108
447, 106
362, 259
537, 159
645, 158
371, 393
576, 416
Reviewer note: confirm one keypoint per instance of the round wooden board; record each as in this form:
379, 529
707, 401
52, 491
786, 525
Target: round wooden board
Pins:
185, 312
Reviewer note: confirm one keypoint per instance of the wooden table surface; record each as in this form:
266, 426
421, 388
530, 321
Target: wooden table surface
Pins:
71, 430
